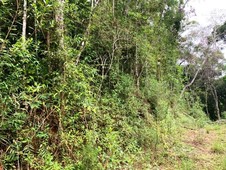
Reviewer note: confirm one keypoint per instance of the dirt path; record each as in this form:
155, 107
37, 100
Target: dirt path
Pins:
207, 147
192, 149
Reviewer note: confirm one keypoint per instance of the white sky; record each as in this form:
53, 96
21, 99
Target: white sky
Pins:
204, 9
207, 13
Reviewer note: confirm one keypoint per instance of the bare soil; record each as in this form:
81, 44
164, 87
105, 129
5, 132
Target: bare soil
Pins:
205, 144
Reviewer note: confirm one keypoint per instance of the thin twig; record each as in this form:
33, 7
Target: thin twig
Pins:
11, 26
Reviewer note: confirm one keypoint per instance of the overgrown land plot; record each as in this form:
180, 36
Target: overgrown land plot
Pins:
208, 146
198, 149
109, 85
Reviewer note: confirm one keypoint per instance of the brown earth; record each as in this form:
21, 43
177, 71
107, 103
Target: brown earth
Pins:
207, 146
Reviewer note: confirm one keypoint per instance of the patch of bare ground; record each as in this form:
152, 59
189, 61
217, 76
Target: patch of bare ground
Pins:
202, 142
192, 149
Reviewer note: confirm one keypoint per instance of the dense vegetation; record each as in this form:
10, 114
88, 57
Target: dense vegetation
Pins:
91, 84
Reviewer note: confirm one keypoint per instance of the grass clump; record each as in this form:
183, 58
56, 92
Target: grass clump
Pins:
187, 164
218, 147
223, 164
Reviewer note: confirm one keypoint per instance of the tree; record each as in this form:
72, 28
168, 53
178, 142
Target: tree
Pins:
59, 15
24, 27
84, 84
206, 52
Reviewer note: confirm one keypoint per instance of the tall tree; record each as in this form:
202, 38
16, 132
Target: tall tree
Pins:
59, 15
24, 26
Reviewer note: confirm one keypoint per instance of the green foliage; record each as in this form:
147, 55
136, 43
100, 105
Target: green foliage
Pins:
223, 164
223, 115
187, 164
106, 98
221, 31
218, 147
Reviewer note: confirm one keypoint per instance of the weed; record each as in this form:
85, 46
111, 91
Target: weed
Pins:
223, 164
187, 164
218, 148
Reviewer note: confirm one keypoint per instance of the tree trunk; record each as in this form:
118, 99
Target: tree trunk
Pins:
206, 101
35, 25
24, 26
194, 78
59, 16
215, 96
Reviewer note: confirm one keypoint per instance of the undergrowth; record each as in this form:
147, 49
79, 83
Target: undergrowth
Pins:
74, 122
